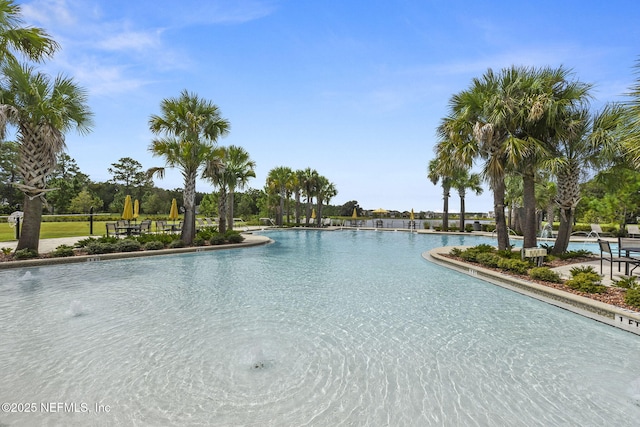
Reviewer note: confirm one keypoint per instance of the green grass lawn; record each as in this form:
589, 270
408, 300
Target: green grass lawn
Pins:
51, 230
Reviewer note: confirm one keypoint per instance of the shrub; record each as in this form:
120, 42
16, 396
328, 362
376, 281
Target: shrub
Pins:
580, 253
588, 269
199, 241
545, 273
153, 245
472, 253
25, 254
468, 228
626, 283
217, 239
96, 248
488, 259
235, 237
6, 251
128, 245
63, 251
455, 252
586, 282
516, 265
632, 297
177, 243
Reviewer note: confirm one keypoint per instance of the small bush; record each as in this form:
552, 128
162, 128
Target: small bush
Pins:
586, 282
96, 248
176, 244
6, 251
199, 241
455, 252
153, 245
128, 245
25, 254
235, 237
546, 274
488, 259
587, 269
516, 265
632, 297
468, 228
581, 253
217, 239
626, 282
63, 251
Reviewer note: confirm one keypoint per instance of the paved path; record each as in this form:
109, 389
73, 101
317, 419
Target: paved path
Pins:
47, 245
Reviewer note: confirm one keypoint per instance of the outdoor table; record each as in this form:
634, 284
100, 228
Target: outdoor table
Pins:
129, 229
629, 245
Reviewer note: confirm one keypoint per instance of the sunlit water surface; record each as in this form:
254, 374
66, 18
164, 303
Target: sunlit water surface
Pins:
320, 328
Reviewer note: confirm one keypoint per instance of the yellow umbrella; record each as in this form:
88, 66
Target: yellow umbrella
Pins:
380, 211
355, 214
136, 209
173, 213
313, 213
127, 213
411, 215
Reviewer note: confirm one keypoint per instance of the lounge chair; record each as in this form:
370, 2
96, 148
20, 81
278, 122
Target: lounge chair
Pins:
606, 254
596, 231
633, 230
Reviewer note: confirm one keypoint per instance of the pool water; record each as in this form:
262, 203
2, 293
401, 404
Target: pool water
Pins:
321, 328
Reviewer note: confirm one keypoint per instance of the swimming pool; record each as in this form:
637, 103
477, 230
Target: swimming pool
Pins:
320, 328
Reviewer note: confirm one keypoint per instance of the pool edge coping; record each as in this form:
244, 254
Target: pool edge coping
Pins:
596, 310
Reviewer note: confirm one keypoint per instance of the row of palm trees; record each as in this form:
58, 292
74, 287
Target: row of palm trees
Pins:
43, 109
526, 122
283, 183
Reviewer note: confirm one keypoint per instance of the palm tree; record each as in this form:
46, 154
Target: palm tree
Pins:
216, 171
438, 172
279, 181
326, 190
239, 169
190, 127
310, 189
30, 42
42, 110
587, 141
462, 182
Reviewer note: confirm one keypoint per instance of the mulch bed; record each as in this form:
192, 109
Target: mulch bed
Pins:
613, 295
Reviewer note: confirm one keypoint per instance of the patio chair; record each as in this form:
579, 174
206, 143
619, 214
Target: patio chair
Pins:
200, 224
145, 227
606, 254
633, 230
112, 230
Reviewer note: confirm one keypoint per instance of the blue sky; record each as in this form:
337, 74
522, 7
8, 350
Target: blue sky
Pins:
354, 89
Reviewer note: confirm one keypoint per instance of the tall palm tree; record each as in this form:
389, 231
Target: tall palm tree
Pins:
190, 127
310, 189
279, 181
588, 140
42, 110
215, 170
30, 42
462, 182
326, 190
240, 168
438, 172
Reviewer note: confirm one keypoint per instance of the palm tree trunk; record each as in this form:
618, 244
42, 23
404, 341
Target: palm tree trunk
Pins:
530, 226
445, 209
498, 206
230, 209
189, 224
462, 213
568, 197
222, 210
30, 235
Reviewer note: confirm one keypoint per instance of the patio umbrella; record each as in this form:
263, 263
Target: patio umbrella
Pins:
355, 214
127, 213
380, 211
173, 213
411, 215
136, 209
313, 213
